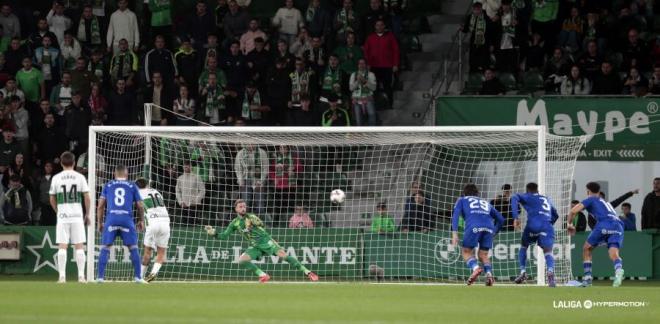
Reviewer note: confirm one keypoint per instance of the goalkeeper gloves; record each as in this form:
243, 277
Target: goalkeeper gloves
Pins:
210, 230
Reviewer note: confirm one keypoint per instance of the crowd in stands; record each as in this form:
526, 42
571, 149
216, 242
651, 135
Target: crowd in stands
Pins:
566, 47
65, 65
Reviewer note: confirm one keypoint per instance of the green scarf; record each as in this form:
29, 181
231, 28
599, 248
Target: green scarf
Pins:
215, 100
285, 160
478, 28
330, 78
363, 91
95, 30
96, 68
247, 113
299, 84
345, 19
120, 70
311, 11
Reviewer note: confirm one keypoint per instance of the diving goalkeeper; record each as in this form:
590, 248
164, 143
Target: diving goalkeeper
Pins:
261, 244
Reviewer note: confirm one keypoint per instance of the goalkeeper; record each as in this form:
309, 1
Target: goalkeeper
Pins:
261, 244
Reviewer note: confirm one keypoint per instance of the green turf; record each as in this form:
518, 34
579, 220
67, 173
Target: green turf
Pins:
48, 302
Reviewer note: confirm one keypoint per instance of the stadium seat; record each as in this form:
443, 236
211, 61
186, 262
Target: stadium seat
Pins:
615, 58
473, 84
509, 81
532, 81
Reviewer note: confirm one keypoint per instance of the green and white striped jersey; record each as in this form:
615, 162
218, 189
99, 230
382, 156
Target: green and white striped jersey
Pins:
155, 210
68, 188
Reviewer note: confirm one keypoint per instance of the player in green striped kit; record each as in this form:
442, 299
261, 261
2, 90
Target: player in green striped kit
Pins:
158, 228
261, 243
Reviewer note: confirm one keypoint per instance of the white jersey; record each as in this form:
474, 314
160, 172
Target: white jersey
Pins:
68, 188
155, 211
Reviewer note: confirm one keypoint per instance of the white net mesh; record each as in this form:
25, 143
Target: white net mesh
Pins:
417, 175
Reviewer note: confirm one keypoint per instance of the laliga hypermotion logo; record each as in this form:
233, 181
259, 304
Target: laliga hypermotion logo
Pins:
445, 253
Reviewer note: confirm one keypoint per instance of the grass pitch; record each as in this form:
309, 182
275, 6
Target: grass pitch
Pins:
47, 302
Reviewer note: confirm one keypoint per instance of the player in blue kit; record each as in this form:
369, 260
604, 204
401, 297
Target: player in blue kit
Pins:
608, 230
117, 199
541, 215
479, 231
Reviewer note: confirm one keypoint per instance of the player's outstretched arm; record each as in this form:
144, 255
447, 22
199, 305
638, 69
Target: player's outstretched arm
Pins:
211, 231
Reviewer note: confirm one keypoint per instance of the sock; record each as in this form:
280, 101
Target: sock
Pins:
253, 267
618, 264
61, 262
156, 267
587, 270
488, 268
294, 262
80, 261
135, 260
144, 269
522, 259
103, 261
549, 262
472, 264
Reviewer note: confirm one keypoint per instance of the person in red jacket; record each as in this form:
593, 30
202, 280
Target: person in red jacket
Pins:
382, 53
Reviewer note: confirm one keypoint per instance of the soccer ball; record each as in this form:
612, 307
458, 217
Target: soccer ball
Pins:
337, 196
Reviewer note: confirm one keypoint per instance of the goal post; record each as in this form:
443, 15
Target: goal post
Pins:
400, 183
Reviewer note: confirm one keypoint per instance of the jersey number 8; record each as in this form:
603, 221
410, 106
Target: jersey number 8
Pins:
120, 199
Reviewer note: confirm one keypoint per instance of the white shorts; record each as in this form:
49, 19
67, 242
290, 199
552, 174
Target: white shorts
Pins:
70, 233
157, 235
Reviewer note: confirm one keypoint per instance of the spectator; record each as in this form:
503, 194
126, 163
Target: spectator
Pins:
235, 22
258, 61
302, 83
11, 26
507, 43
502, 203
417, 214
58, 23
606, 82
555, 69
190, 191
396, 8
491, 86
97, 65
123, 25
71, 51
220, 12
284, 54
212, 67
346, 21
20, 119
278, 89
10, 89
302, 44
236, 69
82, 79
382, 53
36, 39
629, 220
187, 62
374, 13
381, 222
481, 30
200, 25
121, 105
16, 203
635, 53
211, 49
335, 115
50, 142
160, 59
571, 32
60, 96
47, 215
349, 54
89, 29
316, 56
252, 108
161, 20
14, 56
284, 172
18, 167
594, 31
362, 85
319, 20
333, 78
48, 60
535, 53
78, 116
213, 101
635, 83
8, 147
544, 18
251, 168
248, 38
651, 207
99, 105
575, 83
580, 221
654, 81
37, 119
160, 96
287, 20
300, 218
184, 107
591, 60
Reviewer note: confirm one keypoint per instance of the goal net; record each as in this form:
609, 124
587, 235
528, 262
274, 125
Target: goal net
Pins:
395, 224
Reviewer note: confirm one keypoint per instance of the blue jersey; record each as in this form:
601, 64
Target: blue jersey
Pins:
478, 213
601, 209
540, 210
120, 195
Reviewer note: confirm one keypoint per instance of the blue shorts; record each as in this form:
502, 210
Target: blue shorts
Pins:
544, 236
610, 233
481, 236
122, 226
